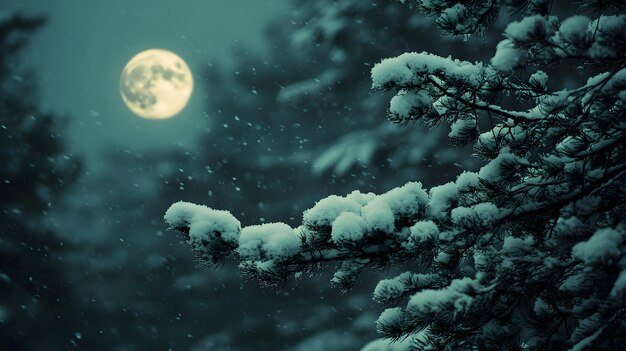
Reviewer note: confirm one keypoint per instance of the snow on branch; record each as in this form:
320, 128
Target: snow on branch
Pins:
353, 230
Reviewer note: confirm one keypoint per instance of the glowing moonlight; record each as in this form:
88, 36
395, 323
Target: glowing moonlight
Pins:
156, 84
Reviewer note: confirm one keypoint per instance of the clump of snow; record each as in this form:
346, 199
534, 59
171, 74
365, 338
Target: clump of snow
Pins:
409, 104
493, 171
407, 70
539, 79
458, 14
443, 257
616, 85
502, 136
606, 29
549, 104
273, 241
392, 71
569, 226
424, 231
508, 56
348, 227
390, 315
467, 181
606, 83
443, 104
327, 210
405, 201
347, 273
461, 127
204, 224
457, 296
602, 247
517, 246
482, 214
531, 28
379, 216
441, 199
575, 29
483, 259
388, 290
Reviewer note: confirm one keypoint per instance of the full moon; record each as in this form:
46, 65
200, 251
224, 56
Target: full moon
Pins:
156, 84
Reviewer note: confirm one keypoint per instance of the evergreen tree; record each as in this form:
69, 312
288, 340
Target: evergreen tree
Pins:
37, 304
526, 253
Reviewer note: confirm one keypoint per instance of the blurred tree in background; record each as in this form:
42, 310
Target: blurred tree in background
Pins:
38, 309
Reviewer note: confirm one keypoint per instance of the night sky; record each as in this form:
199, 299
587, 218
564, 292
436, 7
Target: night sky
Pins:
79, 56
